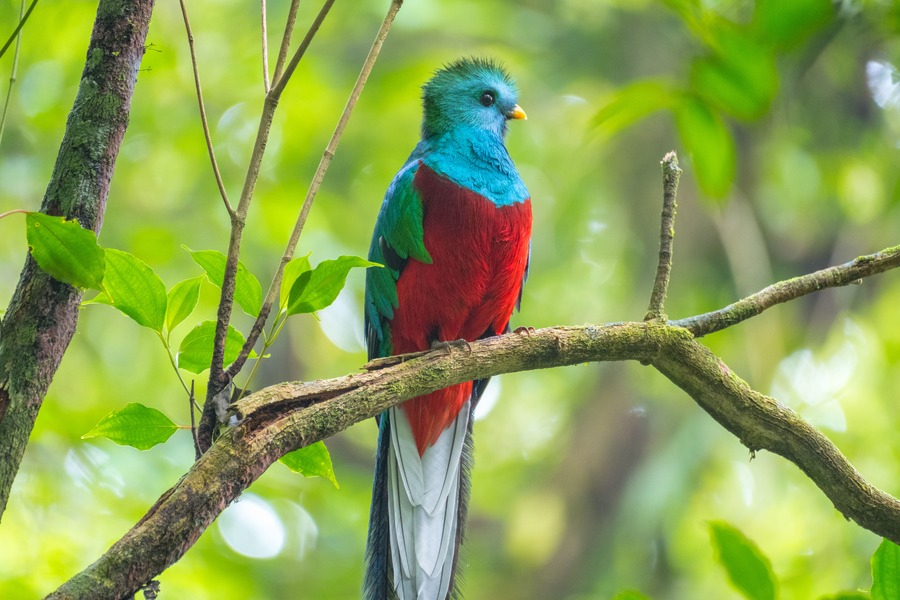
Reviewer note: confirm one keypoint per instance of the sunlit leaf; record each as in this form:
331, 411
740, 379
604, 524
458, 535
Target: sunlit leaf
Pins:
196, 350
787, 24
247, 291
134, 425
311, 461
133, 288
65, 250
316, 289
709, 143
748, 568
182, 299
847, 596
632, 103
886, 572
292, 271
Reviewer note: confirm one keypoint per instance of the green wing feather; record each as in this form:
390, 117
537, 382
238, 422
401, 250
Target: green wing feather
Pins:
398, 237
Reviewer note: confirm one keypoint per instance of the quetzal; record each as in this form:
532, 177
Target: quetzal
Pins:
454, 235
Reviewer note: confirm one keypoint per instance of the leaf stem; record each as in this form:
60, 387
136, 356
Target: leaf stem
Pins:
14, 211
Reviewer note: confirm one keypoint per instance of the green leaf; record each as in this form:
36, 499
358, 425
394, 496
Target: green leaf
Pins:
65, 250
748, 569
134, 425
739, 79
632, 103
247, 291
196, 350
292, 271
847, 596
316, 289
133, 288
182, 299
311, 461
709, 142
788, 24
886, 572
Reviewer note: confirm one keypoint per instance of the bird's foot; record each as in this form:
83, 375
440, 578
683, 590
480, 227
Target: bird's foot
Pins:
449, 346
524, 330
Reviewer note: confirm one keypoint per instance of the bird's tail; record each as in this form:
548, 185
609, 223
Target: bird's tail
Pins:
418, 510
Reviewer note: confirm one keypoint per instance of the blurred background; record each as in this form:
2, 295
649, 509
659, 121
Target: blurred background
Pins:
589, 480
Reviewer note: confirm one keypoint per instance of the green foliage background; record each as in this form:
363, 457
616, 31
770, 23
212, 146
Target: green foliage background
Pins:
589, 480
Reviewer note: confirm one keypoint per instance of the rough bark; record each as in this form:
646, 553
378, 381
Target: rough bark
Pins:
42, 314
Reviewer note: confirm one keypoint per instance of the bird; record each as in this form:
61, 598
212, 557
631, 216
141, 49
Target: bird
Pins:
454, 236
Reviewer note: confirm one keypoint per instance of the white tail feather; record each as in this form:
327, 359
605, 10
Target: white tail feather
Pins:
423, 499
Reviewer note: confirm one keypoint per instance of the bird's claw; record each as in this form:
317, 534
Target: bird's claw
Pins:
526, 330
449, 346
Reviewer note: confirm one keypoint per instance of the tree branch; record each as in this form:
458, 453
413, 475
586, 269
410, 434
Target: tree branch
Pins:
671, 175
42, 314
791, 289
280, 418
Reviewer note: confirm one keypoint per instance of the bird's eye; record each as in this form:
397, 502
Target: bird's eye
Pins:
487, 98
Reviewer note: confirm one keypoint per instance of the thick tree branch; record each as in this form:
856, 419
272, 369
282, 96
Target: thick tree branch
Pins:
42, 314
283, 417
762, 423
791, 289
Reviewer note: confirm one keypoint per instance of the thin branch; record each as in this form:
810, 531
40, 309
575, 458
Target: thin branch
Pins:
18, 28
13, 72
217, 375
281, 81
203, 120
791, 289
265, 46
314, 186
286, 39
671, 174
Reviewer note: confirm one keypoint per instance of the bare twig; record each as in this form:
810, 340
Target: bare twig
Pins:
791, 289
265, 46
18, 28
15, 67
203, 120
671, 174
286, 40
314, 185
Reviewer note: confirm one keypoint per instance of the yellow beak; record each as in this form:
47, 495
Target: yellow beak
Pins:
516, 113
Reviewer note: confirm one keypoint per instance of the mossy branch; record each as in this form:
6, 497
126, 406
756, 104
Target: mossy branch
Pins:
283, 417
42, 314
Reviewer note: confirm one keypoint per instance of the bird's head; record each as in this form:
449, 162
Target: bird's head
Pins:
471, 92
